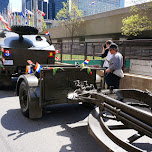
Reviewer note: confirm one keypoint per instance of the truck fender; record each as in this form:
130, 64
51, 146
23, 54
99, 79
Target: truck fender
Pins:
30, 79
35, 109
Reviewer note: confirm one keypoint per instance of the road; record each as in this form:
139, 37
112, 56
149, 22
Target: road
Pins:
62, 129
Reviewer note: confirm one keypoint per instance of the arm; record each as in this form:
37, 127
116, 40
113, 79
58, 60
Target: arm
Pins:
103, 55
108, 70
115, 64
103, 50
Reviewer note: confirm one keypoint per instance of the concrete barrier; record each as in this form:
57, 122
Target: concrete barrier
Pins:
141, 67
134, 81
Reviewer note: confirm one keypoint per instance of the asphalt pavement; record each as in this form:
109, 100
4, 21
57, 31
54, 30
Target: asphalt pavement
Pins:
63, 129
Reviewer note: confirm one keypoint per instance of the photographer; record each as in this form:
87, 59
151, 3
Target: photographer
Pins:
106, 53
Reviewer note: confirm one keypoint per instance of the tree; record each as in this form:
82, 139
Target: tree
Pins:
70, 19
140, 19
44, 27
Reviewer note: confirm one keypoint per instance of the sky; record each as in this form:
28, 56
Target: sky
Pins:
16, 4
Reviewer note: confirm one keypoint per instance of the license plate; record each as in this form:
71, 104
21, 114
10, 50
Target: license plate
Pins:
8, 62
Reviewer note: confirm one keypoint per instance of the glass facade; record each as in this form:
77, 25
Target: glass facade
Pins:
41, 6
3, 5
29, 4
51, 9
90, 7
58, 5
54, 7
45, 9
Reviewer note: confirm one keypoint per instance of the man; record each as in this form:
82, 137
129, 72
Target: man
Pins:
106, 53
114, 72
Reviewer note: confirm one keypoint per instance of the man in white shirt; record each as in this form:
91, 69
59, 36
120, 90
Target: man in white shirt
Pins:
106, 53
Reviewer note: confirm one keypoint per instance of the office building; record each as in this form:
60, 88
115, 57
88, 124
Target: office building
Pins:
41, 5
3, 6
54, 7
90, 7
29, 4
45, 9
51, 9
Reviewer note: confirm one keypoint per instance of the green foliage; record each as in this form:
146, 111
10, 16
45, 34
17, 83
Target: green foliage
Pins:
71, 20
44, 27
56, 69
134, 25
83, 67
138, 21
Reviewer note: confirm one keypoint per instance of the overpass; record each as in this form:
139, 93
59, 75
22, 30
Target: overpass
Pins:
96, 27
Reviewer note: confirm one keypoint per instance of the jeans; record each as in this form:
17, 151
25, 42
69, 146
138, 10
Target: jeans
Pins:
112, 80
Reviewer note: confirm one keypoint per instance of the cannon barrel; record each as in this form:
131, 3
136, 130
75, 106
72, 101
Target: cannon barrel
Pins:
129, 115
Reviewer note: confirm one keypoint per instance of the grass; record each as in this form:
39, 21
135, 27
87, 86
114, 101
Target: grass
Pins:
76, 57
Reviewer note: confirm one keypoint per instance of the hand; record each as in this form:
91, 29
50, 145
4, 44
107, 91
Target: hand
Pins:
102, 72
107, 70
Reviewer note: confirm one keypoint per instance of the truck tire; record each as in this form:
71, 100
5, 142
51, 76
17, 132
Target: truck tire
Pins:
24, 30
24, 99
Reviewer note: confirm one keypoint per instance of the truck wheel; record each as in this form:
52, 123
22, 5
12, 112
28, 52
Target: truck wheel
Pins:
24, 99
24, 30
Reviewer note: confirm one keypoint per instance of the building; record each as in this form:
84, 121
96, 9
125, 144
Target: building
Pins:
51, 9
29, 4
45, 9
3, 6
90, 7
54, 7
41, 5
23, 5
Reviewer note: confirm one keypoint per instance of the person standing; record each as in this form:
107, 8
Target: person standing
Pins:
114, 72
106, 54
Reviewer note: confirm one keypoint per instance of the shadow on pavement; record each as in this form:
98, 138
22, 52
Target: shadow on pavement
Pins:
81, 141
141, 145
7, 92
63, 114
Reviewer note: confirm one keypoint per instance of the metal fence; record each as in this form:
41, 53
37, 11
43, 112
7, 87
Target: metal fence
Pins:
130, 49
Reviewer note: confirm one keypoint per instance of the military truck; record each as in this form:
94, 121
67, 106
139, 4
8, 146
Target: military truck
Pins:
17, 46
22, 48
52, 84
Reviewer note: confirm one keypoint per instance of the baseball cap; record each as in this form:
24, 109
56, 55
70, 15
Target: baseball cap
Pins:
113, 46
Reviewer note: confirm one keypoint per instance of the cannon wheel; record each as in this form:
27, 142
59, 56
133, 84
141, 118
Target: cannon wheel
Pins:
24, 99
24, 30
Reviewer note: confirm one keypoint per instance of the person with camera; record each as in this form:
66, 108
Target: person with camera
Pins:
114, 72
106, 53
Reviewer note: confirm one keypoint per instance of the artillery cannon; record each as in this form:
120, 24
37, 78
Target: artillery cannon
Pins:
115, 109
57, 84
121, 109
